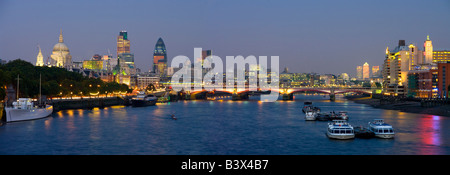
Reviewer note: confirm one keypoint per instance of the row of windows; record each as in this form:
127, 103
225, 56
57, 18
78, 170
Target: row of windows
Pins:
383, 130
340, 131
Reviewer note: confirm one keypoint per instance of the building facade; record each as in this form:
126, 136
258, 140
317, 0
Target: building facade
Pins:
123, 44
366, 71
398, 62
441, 56
359, 72
443, 79
376, 71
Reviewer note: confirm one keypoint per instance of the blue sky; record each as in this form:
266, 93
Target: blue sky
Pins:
323, 36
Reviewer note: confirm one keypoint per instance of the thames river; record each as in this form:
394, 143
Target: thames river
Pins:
221, 127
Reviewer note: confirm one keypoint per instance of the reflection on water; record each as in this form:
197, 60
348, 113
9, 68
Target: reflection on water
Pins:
221, 127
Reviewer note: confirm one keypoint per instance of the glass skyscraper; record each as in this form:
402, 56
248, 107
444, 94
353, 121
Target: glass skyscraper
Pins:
160, 57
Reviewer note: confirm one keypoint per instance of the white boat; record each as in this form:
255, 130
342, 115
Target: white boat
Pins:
340, 129
23, 109
310, 116
343, 115
143, 99
381, 129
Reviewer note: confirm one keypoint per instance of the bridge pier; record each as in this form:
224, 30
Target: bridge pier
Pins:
288, 96
332, 94
332, 97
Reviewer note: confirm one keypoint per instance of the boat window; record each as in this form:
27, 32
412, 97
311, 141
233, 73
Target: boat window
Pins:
390, 130
386, 130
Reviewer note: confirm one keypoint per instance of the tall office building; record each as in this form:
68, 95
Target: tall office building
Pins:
359, 72
123, 44
366, 71
376, 71
160, 58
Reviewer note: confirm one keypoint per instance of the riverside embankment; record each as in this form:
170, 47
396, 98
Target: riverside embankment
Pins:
406, 106
86, 103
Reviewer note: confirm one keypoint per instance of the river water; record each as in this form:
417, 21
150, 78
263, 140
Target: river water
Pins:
223, 128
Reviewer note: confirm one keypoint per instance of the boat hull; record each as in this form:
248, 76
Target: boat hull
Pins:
143, 103
14, 115
385, 136
340, 137
309, 118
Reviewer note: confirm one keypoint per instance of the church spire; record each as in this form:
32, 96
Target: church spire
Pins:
61, 40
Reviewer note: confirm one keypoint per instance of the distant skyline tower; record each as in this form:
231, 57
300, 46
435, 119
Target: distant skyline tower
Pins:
376, 71
428, 45
123, 44
40, 58
159, 57
359, 72
366, 71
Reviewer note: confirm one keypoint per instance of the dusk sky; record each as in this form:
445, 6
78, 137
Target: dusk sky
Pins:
323, 36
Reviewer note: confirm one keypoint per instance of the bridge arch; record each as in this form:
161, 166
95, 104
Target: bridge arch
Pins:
308, 90
354, 90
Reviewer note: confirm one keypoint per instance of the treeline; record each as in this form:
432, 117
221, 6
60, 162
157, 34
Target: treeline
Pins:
55, 81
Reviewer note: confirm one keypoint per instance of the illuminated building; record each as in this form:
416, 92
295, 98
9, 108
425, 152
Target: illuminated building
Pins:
126, 61
443, 79
428, 53
359, 72
143, 81
441, 56
123, 44
422, 83
160, 58
396, 65
40, 58
366, 71
376, 71
61, 54
93, 64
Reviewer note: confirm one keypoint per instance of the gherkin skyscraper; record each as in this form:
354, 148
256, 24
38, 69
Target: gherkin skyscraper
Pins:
160, 58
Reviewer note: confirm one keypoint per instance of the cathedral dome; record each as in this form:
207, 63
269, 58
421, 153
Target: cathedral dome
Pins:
60, 47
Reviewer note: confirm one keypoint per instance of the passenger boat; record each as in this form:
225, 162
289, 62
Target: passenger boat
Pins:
24, 108
310, 116
340, 129
142, 99
381, 129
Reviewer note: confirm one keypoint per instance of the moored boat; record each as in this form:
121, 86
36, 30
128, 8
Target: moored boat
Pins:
341, 130
310, 116
24, 109
381, 129
143, 99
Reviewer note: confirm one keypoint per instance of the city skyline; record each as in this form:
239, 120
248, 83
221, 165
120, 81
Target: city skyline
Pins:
304, 34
